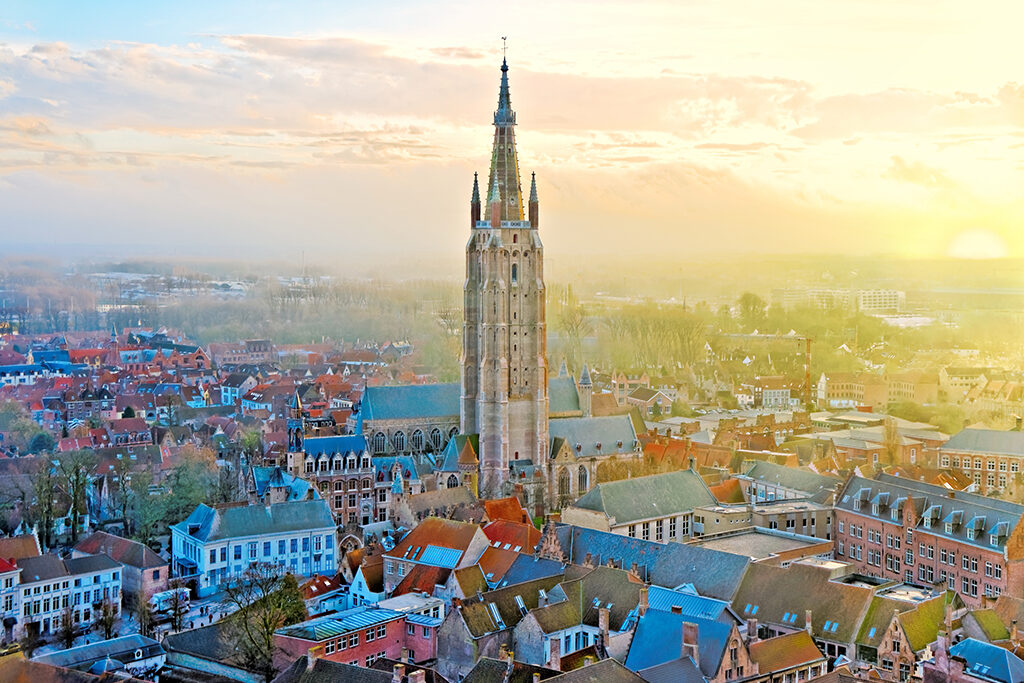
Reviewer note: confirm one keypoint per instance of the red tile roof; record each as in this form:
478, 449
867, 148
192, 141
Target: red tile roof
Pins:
506, 508
519, 537
421, 579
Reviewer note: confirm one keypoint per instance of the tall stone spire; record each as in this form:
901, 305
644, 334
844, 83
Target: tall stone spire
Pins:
534, 203
474, 203
504, 161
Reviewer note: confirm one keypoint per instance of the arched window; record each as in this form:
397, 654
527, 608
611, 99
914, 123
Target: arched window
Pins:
453, 432
563, 482
337, 463
350, 462
582, 478
453, 481
339, 486
380, 442
366, 483
515, 273
352, 484
417, 441
435, 438
399, 440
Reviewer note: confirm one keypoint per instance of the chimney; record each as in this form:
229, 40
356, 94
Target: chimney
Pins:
693, 464
751, 630
942, 652
588, 660
642, 609
556, 654
398, 673
405, 655
536, 677
603, 619
807, 623
418, 676
311, 657
1014, 638
542, 598
510, 662
689, 648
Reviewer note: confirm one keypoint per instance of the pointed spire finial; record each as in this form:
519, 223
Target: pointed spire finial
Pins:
476, 190
533, 187
585, 377
495, 197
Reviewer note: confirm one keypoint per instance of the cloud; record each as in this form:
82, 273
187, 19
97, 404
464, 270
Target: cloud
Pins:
918, 173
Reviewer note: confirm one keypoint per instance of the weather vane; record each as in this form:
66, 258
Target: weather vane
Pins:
504, 46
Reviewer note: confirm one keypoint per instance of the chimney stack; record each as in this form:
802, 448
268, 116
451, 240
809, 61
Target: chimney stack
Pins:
603, 621
690, 648
752, 630
418, 676
405, 655
693, 464
555, 649
1014, 636
536, 677
807, 623
642, 609
398, 673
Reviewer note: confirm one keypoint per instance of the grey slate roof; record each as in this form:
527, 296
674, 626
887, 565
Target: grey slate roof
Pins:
989, 662
411, 401
587, 432
122, 649
325, 671
712, 572
330, 445
987, 441
41, 568
255, 520
562, 395
529, 568
656, 495
276, 477
90, 564
988, 515
659, 637
792, 478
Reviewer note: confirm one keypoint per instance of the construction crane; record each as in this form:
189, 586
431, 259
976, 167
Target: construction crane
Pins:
793, 336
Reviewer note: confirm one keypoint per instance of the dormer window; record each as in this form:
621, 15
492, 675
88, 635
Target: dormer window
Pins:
949, 527
970, 534
993, 539
895, 515
927, 522
874, 508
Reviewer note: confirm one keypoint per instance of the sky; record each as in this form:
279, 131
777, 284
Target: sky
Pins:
346, 132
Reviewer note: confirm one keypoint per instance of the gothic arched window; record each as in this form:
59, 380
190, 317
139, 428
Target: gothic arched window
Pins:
453, 432
582, 478
453, 481
563, 482
417, 441
399, 440
435, 438
380, 442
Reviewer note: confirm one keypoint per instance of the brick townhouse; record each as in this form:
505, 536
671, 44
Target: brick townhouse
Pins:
905, 530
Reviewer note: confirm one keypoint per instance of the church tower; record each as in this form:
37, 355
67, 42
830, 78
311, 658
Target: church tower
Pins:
504, 357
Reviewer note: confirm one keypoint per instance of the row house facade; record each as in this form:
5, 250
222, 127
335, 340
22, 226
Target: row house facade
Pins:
344, 473
905, 530
990, 457
214, 545
50, 585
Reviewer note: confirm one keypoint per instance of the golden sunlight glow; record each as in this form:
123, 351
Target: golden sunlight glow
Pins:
978, 243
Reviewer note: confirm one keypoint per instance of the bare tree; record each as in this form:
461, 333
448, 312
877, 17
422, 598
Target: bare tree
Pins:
891, 440
66, 630
75, 469
177, 606
265, 600
106, 620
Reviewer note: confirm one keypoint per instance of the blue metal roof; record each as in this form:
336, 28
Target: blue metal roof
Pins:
323, 628
437, 556
656, 628
423, 620
689, 605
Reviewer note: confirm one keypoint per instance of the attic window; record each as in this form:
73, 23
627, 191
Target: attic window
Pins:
598, 444
619, 444
579, 447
